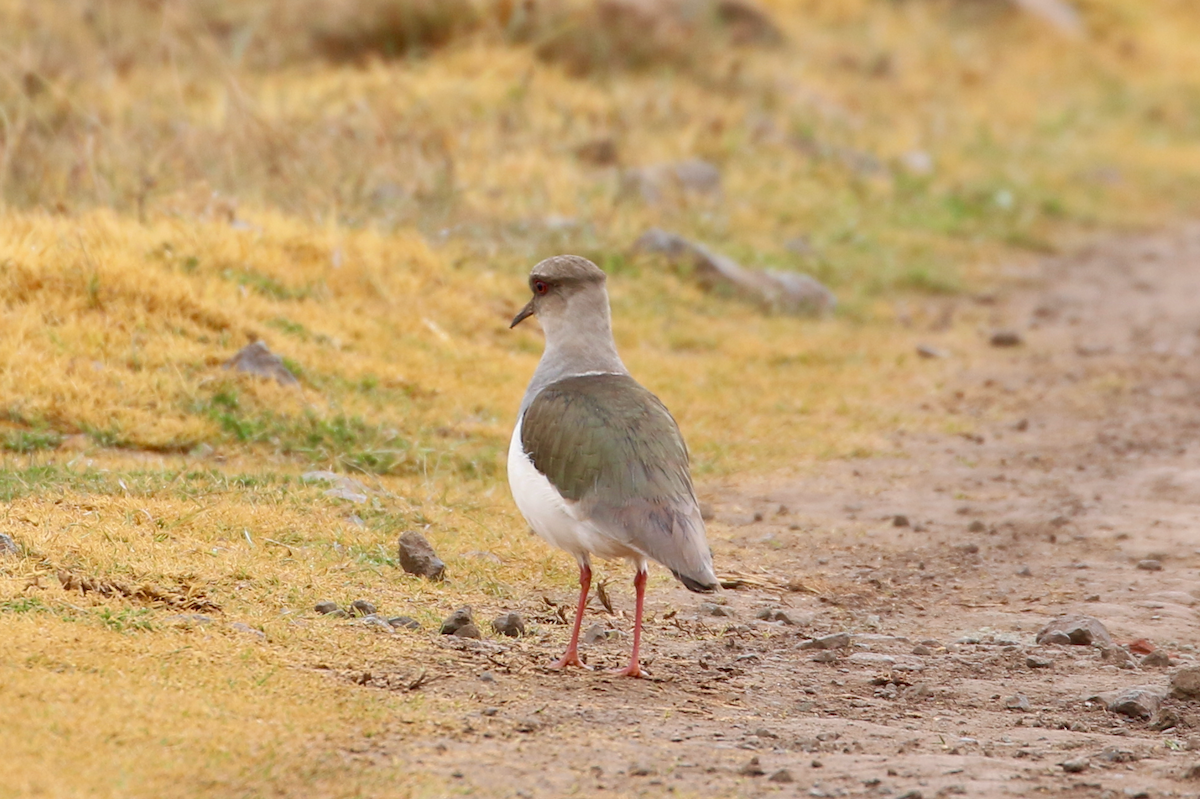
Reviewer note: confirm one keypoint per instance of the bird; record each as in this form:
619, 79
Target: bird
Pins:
597, 464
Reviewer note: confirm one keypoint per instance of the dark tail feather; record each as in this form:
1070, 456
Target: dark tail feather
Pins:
693, 584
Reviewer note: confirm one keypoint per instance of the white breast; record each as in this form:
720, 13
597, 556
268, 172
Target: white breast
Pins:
553, 518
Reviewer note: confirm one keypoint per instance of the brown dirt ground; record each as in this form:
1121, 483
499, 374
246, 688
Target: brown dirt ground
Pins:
1081, 460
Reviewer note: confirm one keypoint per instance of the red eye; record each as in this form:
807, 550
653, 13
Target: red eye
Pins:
540, 287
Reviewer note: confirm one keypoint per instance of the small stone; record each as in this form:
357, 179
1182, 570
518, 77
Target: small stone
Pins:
1185, 683
256, 359
510, 624
457, 619
8, 546
1150, 565
338, 613
1035, 662
468, 630
900, 520
921, 649
595, 634
1157, 659
826, 656
774, 614
832, 641
490, 711
1017, 702
1025, 571
640, 770
1118, 657
1075, 766
1138, 701
246, 629
404, 623
783, 775
1055, 638
1080, 631
976, 527
325, 607
361, 607
930, 351
417, 557
377, 622
1005, 338
752, 769
707, 511
715, 610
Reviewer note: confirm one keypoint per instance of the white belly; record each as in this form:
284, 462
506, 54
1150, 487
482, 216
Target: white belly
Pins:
554, 518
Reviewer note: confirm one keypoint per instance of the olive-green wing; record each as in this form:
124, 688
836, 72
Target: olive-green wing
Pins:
609, 445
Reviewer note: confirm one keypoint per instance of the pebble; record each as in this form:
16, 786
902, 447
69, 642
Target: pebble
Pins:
783, 775
1158, 659
826, 656
1075, 766
1185, 683
256, 359
775, 614
900, 520
374, 620
361, 607
1118, 657
752, 769
929, 351
468, 630
640, 770
1150, 565
1005, 338
1138, 701
595, 634
921, 649
1035, 662
1018, 702
510, 624
715, 610
1024, 571
832, 641
404, 622
456, 620
325, 607
1080, 631
238, 626
976, 527
417, 557
8, 546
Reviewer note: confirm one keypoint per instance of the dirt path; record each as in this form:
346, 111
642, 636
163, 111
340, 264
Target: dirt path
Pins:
1083, 459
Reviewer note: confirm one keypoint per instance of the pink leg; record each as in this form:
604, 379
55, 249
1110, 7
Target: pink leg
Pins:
633, 669
571, 656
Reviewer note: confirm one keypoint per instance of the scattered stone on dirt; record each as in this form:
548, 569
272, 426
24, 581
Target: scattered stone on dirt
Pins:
1018, 702
713, 609
774, 614
824, 656
457, 619
246, 629
784, 292
832, 641
1075, 766
1138, 701
783, 775
378, 623
1157, 659
8, 546
595, 634
417, 557
404, 622
510, 624
752, 768
1038, 662
361, 607
900, 520
325, 607
1118, 656
1185, 682
256, 359
1005, 338
1079, 630
1150, 565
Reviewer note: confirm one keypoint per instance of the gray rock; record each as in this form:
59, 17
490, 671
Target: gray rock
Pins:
404, 623
639, 770
1075, 766
256, 359
900, 520
825, 656
188, 619
1118, 657
783, 775
1005, 338
922, 649
456, 620
658, 182
1054, 638
713, 609
783, 292
361, 607
1080, 631
1018, 702
417, 557
1138, 701
1150, 565
1155, 660
774, 614
468, 630
595, 634
377, 622
325, 607
832, 641
1038, 662
1185, 682
8, 546
510, 624
246, 629
752, 768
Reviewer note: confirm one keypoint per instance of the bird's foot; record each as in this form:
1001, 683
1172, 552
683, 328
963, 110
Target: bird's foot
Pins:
632, 670
571, 658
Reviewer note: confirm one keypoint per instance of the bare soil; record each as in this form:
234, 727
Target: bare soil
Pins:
1082, 459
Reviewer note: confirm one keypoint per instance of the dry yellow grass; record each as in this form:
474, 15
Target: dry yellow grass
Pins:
186, 178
